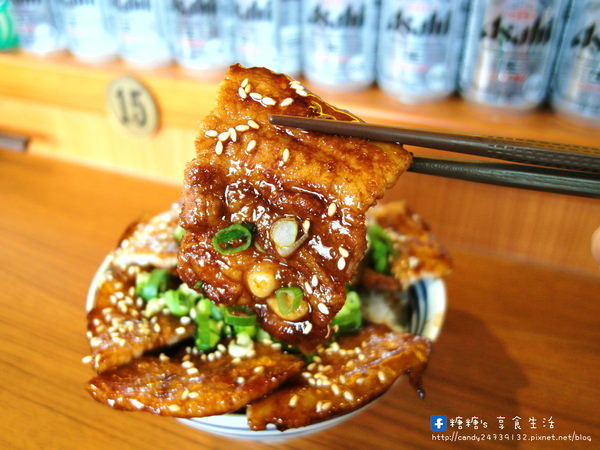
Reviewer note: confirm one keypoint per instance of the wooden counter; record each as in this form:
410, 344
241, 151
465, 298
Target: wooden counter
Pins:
519, 339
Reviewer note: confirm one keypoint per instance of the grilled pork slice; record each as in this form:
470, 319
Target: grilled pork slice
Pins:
347, 375
194, 385
117, 329
418, 254
302, 196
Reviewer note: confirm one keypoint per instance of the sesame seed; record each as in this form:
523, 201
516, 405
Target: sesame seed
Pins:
242, 128
240, 380
335, 389
253, 124
193, 395
312, 366
348, 396
86, 359
185, 394
413, 262
163, 358
306, 225
218, 354
286, 101
224, 136
331, 209
211, 357
323, 308
286, 155
306, 374
244, 82
233, 134
293, 401
185, 320
342, 379
221, 348
319, 406
294, 82
259, 369
236, 361
381, 376
248, 88
187, 364
180, 330
219, 148
268, 101
307, 328
95, 341
360, 381
314, 281
211, 133
255, 96
344, 252
242, 93
308, 288
251, 145
174, 408
302, 93
317, 359
192, 371
341, 263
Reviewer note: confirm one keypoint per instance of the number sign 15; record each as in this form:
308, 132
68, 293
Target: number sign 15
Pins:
131, 104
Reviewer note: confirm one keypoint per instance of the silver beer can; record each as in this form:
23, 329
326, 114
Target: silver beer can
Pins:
142, 32
268, 34
576, 85
201, 32
419, 49
38, 25
89, 29
339, 42
509, 51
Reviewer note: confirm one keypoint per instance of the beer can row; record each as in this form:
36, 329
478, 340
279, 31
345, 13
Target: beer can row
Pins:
508, 54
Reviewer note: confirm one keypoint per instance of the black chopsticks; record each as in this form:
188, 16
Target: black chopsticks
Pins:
582, 164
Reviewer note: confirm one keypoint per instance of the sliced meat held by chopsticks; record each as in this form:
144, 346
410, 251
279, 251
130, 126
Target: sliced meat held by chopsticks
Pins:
194, 385
275, 218
344, 377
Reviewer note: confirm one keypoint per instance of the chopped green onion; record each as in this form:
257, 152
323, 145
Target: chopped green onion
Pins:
208, 333
381, 248
288, 299
249, 330
218, 312
262, 335
189, 292
239, 315
198, 285
149, 286
177, 303
178, 233
227, 240
349, 318
203, 308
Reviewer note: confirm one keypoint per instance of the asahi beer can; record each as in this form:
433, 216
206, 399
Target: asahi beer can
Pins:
419, 48
202, 34
142, 32
576, 85
268, 34
509, 53
339, 42
89, 29
38, 25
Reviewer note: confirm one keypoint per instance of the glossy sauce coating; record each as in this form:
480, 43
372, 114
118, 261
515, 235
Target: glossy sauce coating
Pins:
247, 170
347, 375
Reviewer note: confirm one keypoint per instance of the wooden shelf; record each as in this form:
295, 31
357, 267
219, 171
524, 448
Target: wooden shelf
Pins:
59, 103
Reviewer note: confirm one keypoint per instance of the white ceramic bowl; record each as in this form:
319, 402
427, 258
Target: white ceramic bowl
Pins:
428, 305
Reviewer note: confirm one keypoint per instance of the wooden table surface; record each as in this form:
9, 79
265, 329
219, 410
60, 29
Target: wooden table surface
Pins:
519, 340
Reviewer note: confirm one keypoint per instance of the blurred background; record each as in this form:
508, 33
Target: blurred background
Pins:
528, 69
